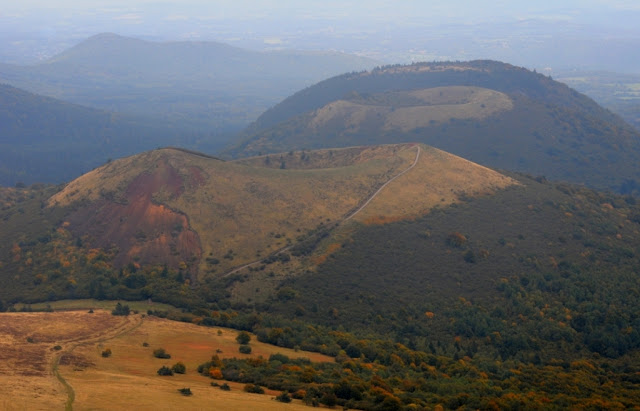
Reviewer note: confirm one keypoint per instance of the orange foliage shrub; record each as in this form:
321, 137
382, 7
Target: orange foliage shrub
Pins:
456, 239
332, 248
257, 362
16, 252
215, 373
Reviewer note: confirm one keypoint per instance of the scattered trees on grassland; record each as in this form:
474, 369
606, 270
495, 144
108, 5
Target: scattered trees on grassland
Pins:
243, 338
161, 353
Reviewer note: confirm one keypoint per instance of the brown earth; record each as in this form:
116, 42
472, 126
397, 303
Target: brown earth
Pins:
141, 229
127, 379
27, 352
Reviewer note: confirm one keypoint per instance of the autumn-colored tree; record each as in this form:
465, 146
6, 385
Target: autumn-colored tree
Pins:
456, 239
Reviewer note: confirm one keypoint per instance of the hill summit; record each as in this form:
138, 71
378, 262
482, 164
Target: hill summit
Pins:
207, 217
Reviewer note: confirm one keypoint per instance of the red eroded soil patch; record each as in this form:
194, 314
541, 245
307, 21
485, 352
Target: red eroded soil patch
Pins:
139, 228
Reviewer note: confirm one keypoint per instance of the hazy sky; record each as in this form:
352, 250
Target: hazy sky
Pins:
394, 31
443, 10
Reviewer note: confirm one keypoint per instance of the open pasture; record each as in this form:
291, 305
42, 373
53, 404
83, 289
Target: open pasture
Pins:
53, 360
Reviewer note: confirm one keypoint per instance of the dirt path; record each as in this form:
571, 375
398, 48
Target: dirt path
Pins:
350, 216
384, 185
242, 267
125, 327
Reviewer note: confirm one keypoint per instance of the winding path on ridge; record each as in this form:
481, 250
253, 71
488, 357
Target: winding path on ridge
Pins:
349, 217
384, 185
130, 324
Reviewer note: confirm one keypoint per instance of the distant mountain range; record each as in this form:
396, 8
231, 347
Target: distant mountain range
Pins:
489, 112
198, 85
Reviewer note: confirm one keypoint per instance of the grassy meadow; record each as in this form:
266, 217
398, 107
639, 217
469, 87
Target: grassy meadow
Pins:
36, 346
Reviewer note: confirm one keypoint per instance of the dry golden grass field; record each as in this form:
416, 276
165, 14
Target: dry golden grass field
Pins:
438, 179
37, 376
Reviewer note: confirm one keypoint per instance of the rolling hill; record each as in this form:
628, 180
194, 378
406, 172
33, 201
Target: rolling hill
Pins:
50, 141
431, 280
197, 85
492, 113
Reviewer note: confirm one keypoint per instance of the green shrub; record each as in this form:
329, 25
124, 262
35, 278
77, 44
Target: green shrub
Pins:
456, 239
106, 353
245, 349
253, 389
161, 353
470, 257
225, 387
121, 310
164, 370
243, 338
179, 368
284, 397
185, 391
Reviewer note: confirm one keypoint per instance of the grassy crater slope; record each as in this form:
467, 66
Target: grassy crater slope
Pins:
189, 206
491, 113
204, 217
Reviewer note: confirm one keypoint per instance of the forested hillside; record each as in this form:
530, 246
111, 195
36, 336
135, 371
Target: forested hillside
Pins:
50, 141
530, 123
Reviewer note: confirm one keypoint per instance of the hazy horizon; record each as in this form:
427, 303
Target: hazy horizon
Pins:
568, 34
